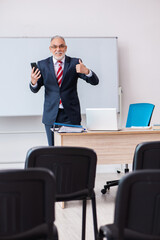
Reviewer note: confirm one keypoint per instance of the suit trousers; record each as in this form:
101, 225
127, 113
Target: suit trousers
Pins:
61, 118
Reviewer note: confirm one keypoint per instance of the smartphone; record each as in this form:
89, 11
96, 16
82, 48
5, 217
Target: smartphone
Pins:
34, 65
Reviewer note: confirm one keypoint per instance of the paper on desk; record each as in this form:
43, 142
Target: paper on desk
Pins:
140, 127
65, 129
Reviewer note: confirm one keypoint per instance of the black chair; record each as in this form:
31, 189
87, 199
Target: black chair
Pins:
74, 169
27, 199
146, 156
139, 114
137, 208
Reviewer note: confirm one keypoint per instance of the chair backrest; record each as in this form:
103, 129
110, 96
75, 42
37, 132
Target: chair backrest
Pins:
147, 156
137, 208
139, 114
74, 168
26, 202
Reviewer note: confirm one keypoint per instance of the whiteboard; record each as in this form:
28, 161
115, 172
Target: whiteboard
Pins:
16, 54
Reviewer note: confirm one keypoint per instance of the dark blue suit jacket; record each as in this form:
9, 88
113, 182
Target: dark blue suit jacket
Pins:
67, 92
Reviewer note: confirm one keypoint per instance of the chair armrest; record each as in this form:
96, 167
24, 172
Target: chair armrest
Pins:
109, 232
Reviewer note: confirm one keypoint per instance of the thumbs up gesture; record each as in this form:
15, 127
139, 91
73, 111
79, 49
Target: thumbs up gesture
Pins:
81, 68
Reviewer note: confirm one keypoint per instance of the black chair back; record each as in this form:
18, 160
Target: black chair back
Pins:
137, 208
138, 204
74, 169
147, 156
27, 204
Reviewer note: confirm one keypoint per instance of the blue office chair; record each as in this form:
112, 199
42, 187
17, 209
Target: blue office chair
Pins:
139, 114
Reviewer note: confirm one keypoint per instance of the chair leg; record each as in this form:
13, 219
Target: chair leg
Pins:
84, 219
94, 217
99, 237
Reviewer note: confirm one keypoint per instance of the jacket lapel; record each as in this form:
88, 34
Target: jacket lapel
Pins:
51, 67
66, 65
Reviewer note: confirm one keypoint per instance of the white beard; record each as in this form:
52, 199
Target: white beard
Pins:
59, 58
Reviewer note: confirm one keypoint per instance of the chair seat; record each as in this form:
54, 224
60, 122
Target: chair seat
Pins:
80, 195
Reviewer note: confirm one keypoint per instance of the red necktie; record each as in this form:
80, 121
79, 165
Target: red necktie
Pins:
59, 75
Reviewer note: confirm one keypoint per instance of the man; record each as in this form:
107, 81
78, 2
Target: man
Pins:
59, 75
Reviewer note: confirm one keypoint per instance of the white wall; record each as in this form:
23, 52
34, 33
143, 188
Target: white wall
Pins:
136, 23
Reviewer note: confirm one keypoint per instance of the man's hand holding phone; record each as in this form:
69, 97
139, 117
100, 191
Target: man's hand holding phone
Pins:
35, 74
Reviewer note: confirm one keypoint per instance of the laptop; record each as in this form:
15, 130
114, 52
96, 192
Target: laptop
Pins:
101, 119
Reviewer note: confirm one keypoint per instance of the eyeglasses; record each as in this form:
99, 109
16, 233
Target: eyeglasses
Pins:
60, 46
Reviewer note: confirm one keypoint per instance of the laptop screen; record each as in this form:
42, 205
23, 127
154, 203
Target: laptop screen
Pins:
101, 119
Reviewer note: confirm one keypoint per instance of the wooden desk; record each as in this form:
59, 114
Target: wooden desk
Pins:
112, 147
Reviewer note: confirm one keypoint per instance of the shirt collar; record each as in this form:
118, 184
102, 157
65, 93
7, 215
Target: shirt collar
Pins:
55, 60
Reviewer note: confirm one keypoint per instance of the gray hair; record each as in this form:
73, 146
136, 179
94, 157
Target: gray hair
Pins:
57, 36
